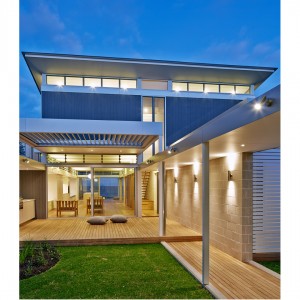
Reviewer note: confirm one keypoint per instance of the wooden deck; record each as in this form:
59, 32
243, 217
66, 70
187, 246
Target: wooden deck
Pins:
76, 231
233, 278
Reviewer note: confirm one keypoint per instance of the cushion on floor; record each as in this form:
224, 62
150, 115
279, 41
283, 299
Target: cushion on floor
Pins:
118, 219
98, 220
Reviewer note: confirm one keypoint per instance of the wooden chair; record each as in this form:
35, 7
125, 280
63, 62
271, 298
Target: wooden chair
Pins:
66, 205
98, 204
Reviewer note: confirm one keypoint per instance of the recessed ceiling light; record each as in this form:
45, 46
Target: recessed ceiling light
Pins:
242, 145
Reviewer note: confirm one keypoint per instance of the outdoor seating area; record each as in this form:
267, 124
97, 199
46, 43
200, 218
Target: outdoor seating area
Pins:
66, 205
98, 204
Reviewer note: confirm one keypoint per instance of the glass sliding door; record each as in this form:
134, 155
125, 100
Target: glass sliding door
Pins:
154, 111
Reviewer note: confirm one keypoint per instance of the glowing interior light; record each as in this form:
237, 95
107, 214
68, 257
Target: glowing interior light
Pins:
89, 176
257, 106
233, 93
243, 145
177, 89
124, 87
206, 91
146, 110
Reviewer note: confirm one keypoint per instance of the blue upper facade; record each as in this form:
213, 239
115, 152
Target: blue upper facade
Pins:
182, 96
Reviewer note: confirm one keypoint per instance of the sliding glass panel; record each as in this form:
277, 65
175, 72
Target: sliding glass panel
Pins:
75, 81
92, 82
55, 80
211, 88
128, 84
113, 83
179, 86
229, 89
196, 87
147, 109
159, 116
128, 159
242, 89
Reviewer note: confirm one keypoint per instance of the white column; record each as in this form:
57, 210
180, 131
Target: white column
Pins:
92, 191
120, 189
161, 198
205, 213
138, 192
124, 190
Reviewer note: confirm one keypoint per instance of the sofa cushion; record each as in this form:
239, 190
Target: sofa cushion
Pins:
118, 219
98, 220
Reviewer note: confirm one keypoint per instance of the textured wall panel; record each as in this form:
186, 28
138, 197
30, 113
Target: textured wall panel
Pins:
266, 201
63, 105
33, 186
183, 115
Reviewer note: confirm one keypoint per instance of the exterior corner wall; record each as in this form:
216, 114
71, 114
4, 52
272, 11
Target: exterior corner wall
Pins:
231, 205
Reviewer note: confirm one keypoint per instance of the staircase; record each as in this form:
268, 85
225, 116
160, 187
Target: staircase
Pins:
146, 204
145, 181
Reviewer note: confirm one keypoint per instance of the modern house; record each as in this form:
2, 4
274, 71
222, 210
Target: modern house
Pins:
179, 140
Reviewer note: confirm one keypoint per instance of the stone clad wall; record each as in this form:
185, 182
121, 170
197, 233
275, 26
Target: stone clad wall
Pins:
231, 206
184, 198
230, 203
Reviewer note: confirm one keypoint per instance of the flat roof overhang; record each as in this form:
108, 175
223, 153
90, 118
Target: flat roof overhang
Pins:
84, 136
242, 124
45, 63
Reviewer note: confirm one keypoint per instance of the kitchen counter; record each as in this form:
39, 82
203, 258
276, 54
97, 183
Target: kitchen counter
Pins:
28, 211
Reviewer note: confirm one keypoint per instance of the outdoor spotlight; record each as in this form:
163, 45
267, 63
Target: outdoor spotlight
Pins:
266, 101
230, 177
171, 150
263, 102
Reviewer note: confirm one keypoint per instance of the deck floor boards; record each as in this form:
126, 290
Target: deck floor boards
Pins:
233, 278
64, 231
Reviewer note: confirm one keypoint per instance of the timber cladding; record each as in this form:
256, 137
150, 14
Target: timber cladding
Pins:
33, 186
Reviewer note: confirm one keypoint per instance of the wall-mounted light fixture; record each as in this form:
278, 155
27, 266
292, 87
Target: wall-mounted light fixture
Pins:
196, 170
26, 161
172, 150
263, 102
230, 177
175, 174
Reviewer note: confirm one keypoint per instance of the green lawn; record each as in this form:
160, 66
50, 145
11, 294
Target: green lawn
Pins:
272, 265
115, 271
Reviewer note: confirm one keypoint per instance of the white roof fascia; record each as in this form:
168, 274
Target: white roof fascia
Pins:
90, 126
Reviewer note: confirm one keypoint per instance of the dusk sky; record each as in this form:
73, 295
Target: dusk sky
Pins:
236, 32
